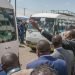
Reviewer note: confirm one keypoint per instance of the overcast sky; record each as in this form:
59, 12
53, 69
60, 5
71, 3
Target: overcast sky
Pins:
35, 6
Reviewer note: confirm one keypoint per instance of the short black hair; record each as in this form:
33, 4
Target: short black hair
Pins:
44, 69
43, 46
56, 40
9, 60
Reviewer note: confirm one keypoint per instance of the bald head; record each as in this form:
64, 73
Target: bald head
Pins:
9, 60
43, 46
44, 69
57, 40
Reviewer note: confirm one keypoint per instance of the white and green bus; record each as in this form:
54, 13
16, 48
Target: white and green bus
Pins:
52, 22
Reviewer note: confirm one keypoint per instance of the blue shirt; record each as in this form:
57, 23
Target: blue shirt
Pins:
2, 72
21, 29
57, 64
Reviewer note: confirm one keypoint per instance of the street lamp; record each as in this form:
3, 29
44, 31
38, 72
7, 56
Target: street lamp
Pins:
15, 7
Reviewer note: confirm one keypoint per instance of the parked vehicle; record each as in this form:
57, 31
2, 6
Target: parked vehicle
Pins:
8, 29
54, 23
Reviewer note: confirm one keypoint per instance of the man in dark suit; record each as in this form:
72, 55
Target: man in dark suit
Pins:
60, 52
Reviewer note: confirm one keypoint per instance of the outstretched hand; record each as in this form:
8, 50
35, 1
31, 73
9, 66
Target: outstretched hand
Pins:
34, 24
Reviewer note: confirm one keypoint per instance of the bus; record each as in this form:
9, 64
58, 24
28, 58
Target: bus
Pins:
8, 29
53, 23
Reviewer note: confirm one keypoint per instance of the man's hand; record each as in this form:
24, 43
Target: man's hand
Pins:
34, 24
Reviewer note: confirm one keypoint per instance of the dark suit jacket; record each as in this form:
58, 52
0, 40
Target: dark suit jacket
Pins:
69, 45
66, 44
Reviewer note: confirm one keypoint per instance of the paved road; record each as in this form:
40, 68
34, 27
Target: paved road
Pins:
26, 56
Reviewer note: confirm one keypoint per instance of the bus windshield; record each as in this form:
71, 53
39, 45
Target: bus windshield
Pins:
7, 25
45, 23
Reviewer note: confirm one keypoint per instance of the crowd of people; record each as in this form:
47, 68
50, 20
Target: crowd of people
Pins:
60, 62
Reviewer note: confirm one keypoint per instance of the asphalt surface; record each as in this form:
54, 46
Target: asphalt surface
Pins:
26, 56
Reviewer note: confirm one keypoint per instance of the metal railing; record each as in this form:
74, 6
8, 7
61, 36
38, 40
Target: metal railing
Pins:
64, 12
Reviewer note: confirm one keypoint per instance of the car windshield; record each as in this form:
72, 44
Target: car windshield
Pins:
7, 25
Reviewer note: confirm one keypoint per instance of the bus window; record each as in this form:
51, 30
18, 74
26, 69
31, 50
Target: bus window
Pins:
45, 23
7, 25
49, 24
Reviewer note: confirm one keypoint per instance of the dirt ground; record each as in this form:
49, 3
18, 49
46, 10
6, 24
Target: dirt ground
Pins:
26, 55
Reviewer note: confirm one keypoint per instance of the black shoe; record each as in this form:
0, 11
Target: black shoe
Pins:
22, 43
